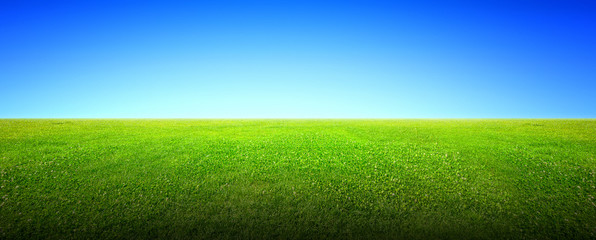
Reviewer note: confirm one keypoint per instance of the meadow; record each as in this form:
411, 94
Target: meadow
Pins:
297, 179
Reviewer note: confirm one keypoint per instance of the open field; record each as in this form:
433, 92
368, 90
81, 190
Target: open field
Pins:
205, 179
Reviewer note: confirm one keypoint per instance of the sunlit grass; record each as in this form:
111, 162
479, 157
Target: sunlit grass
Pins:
298, 179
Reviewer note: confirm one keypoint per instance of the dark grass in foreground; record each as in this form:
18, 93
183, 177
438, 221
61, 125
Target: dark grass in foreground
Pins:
206, 179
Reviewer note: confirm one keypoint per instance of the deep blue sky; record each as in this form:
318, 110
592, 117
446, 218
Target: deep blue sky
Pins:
298, 59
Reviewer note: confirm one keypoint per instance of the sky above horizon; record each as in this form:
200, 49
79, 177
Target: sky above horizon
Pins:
298, 59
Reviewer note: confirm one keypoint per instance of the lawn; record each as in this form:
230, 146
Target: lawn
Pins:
297, 179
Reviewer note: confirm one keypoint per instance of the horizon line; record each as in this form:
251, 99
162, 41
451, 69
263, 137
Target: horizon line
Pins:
303, 118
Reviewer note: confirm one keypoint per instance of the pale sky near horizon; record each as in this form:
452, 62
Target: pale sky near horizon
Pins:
298, 59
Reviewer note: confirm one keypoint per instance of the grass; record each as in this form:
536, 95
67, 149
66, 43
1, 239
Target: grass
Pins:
298, 179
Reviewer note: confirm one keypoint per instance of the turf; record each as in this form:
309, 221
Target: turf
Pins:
297, 179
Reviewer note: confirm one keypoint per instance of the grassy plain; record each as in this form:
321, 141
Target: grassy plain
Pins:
298, 179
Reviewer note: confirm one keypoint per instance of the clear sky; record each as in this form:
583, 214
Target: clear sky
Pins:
298, 59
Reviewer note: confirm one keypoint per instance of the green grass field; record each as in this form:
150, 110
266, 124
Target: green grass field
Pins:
298, 179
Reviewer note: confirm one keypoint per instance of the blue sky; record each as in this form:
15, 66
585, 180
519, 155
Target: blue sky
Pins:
298, 59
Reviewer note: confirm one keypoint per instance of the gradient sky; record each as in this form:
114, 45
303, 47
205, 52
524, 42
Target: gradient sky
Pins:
298, 59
